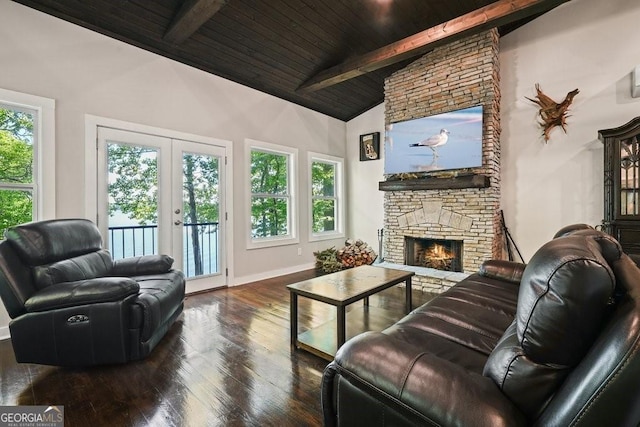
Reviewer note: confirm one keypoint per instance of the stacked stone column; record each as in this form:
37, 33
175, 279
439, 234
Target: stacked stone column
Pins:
462, 74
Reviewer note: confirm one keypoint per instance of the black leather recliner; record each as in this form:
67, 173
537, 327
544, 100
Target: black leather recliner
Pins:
72, 305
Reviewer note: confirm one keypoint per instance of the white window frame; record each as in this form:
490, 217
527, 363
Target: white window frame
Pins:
292, 214
338, 162
44, 149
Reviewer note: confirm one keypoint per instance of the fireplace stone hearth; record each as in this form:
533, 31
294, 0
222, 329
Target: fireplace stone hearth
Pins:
428, 279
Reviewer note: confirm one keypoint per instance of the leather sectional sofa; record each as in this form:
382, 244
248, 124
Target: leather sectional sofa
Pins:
72, 305
552, 343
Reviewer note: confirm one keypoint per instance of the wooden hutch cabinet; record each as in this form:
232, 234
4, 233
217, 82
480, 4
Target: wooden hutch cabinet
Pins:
622, 184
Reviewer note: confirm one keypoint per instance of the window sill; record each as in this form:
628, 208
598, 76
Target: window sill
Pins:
326, 236
270, 242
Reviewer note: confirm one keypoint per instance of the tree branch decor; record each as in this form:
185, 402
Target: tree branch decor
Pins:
552, 113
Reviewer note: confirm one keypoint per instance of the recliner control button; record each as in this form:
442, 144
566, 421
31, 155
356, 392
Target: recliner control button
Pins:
78, 318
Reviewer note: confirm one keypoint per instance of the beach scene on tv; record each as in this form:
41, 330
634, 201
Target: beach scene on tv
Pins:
445, 141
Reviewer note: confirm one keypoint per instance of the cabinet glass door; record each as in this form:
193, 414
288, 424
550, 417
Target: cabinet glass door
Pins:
629, 177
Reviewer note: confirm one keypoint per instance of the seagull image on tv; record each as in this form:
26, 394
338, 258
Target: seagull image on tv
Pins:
434, 141
445, 141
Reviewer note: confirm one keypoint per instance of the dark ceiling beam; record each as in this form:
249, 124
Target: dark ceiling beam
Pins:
494, 15
192, 15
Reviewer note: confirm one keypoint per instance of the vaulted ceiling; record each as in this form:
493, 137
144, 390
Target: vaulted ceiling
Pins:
331, 56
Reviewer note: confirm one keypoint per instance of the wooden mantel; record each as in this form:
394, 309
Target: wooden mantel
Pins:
436, 183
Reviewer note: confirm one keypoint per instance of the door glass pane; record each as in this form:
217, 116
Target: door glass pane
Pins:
629, 176
201, 213
133, 200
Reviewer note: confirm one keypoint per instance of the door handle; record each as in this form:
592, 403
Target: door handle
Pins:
177, 222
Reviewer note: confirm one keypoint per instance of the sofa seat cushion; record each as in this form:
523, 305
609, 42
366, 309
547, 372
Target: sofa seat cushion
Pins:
434, 379
459, 327
160, 296
423, 342
473, 314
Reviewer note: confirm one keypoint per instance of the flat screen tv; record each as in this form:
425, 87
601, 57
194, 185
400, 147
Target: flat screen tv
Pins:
444, 141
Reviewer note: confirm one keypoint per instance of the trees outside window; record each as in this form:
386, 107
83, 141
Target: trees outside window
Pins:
200, 203
17, 163
133, 182
323, 196
272, 201
269, 195
133, 192
326, 196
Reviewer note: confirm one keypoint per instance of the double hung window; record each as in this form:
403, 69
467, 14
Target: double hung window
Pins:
272, 194
22, 151
326, 196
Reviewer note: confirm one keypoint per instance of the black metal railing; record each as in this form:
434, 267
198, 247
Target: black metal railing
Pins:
200, 248
133, 240
200, 245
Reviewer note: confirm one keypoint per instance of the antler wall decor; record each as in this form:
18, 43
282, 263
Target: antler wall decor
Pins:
552, 113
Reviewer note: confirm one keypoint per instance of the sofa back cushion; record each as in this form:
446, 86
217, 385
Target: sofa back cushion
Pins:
45, 242
570, 229
60, 250
565, 295
16, 282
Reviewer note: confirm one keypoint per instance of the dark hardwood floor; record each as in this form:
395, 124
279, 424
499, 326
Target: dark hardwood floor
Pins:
226, 362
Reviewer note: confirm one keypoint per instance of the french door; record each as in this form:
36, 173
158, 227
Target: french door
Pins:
159, 195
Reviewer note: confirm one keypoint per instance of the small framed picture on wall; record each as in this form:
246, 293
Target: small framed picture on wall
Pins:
370, 146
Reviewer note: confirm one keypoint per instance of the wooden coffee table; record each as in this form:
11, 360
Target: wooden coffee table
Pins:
341, 289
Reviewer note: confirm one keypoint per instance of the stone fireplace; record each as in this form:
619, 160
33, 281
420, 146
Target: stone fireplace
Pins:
461, 205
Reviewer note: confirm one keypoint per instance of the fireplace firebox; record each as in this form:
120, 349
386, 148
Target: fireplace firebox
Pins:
441, 254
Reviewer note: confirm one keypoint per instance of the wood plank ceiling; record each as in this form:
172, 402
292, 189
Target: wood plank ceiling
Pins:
331, 56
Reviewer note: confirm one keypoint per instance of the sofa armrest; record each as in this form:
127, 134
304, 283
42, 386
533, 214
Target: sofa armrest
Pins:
509, 271
635, 258
82, 292
403, 375
141, 265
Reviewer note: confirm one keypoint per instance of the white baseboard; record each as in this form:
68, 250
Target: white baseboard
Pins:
271, 273
4, 333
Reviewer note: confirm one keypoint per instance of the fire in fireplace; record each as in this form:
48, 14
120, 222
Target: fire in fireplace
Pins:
441, 254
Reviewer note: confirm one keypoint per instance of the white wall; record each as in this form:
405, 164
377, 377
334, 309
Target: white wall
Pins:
365, 209
88, 73
591, 45
586, 44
